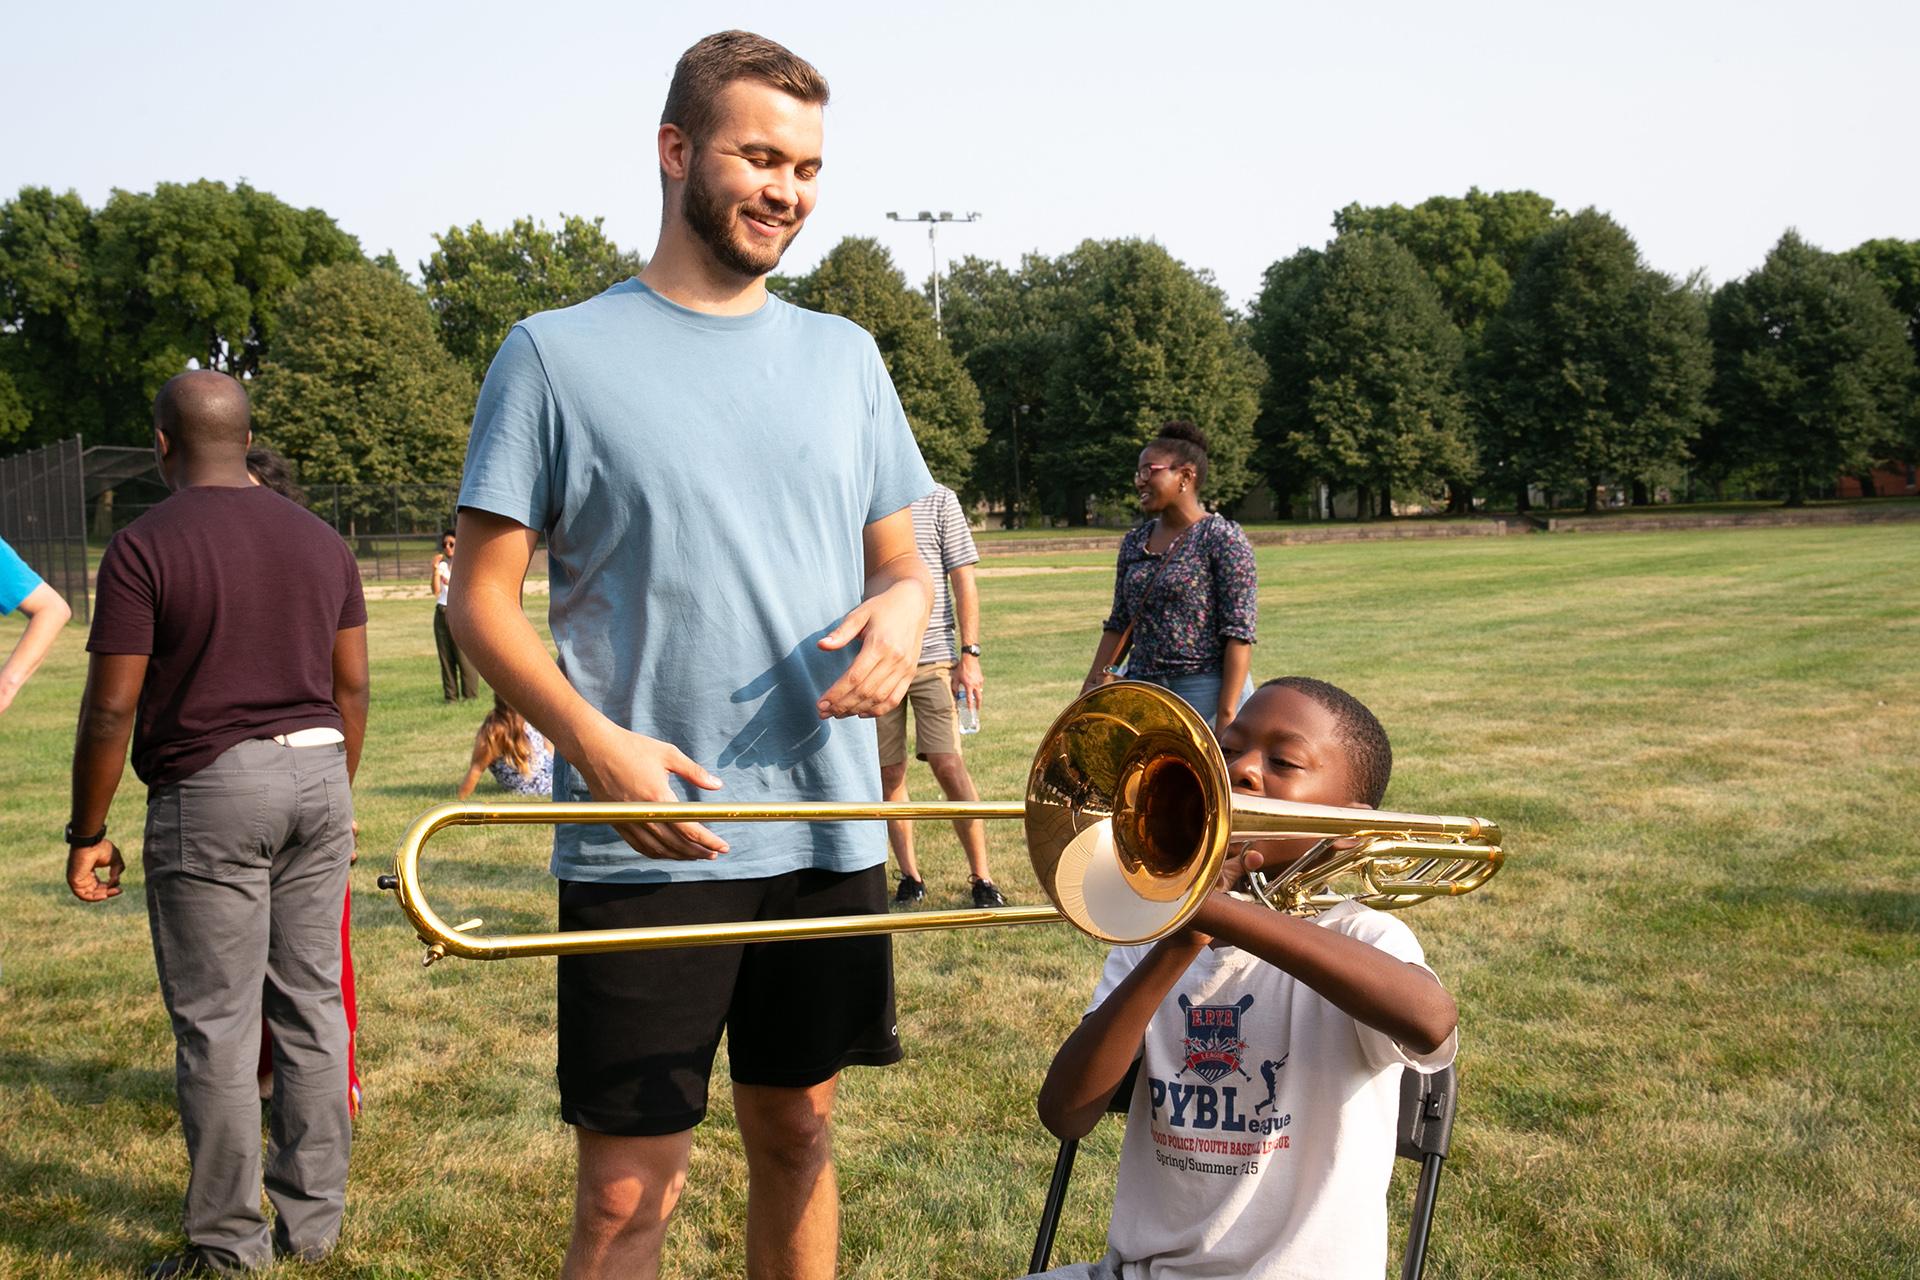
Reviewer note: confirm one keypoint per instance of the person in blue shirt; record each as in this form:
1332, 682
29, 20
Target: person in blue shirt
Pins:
723, 481
22, 589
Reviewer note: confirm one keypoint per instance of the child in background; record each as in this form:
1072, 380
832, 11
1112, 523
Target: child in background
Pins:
1261, 1131
513, 750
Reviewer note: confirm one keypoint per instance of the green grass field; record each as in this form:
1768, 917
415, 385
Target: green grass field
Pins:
1690, 1005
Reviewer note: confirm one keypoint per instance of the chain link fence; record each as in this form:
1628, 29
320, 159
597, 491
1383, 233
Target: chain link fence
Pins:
394, 529
43, 517
59, 506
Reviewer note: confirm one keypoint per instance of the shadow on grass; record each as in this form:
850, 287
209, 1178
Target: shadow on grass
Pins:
86, 1082
495, 920
1879, 910
58, 1210
427, 793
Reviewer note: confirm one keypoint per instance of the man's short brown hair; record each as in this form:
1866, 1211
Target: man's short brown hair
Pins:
717, 61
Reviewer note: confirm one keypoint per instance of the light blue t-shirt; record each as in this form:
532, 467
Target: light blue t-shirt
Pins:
17, 581
703, 482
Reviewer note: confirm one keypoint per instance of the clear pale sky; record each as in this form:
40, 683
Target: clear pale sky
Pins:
1228, 132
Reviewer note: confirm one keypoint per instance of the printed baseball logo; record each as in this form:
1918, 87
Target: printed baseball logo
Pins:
1214, 1046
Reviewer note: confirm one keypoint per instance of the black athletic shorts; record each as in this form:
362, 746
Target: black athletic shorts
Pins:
638, 1029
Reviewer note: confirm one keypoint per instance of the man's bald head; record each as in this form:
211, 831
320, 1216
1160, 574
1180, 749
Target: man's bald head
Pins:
204, 415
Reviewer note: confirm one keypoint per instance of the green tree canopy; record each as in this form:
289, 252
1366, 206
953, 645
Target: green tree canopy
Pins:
1812, 371
858, 280
358, 389
1468, 245
14, 418
101, 308
1895, 266
1008, 327
1147, 341
50, 329
1598, 366
1364, 364
1278, 329
481, 283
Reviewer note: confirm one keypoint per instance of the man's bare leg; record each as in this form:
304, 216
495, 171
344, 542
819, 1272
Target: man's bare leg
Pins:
950, 771
793, 1199
893, 785
624, 1192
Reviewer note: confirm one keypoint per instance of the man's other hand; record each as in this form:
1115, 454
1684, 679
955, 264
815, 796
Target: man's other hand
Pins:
623, 765
889, 628
83, 871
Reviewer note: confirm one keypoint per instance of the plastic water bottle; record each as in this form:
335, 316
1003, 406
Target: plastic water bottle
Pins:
967, 713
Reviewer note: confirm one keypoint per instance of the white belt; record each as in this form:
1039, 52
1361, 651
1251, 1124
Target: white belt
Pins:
317, 737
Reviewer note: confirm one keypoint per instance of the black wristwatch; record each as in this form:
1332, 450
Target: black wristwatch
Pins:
972, 650
85, 842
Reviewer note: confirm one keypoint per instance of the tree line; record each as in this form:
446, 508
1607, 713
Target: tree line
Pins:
1472, 350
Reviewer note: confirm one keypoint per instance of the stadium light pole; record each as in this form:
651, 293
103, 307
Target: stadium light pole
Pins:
933, 222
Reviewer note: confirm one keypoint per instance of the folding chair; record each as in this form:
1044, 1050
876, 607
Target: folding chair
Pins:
1427, 1104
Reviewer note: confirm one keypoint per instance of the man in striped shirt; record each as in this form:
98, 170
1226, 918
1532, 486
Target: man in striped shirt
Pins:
944, 678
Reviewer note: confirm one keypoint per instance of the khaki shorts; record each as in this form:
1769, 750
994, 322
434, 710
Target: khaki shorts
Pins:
935, 730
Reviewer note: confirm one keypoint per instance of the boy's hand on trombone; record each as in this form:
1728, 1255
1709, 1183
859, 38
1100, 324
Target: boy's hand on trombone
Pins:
1241, 859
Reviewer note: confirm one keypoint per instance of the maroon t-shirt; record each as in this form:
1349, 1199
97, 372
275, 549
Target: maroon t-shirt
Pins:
236, 596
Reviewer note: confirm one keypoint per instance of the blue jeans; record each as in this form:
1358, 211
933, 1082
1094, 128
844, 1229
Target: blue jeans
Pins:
1201, 690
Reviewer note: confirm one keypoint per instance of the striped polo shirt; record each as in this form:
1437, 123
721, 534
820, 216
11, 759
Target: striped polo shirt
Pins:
941, 536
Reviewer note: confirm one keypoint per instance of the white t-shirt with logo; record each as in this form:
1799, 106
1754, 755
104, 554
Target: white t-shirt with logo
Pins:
1260, 1139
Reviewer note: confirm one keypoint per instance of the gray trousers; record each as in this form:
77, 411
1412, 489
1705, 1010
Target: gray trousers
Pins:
246, 875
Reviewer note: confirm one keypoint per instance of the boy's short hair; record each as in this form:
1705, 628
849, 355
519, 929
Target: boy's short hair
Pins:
720, 59
1369, 754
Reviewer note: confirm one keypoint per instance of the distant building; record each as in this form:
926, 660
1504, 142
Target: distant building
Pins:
1890, 480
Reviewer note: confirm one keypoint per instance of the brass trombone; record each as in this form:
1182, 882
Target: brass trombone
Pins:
1129, 815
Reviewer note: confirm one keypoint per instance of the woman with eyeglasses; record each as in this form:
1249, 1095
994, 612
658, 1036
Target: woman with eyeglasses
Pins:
1184, 589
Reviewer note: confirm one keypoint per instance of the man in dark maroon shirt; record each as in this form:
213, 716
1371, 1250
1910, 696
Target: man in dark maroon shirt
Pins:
229, 637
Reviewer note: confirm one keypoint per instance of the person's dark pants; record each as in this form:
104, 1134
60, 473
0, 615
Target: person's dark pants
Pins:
246, 870
638, 1030
457, 676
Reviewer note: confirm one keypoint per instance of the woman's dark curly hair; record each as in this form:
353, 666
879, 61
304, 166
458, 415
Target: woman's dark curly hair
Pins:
274, 472
1186, 444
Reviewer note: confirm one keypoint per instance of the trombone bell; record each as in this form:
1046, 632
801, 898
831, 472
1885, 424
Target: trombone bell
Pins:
1128, 812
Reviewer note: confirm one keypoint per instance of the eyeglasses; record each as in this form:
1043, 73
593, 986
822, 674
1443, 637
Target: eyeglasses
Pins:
1146, 472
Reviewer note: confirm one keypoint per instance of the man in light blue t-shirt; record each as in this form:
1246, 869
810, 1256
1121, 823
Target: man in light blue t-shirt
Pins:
723, 481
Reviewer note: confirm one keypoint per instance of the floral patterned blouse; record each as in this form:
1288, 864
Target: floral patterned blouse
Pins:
538, 780
1204, 597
